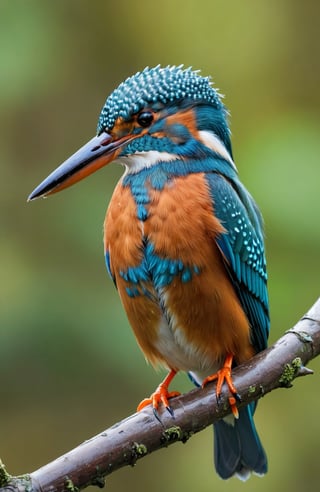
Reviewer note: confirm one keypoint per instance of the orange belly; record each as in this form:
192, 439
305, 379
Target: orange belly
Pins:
195, 320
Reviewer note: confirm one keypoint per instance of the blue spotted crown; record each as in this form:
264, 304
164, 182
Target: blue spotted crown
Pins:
156, 85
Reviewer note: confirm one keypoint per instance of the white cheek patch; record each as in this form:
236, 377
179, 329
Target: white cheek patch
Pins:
134, 163
214, 143
144, 160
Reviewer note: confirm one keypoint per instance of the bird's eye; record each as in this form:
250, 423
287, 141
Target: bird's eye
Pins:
145, 119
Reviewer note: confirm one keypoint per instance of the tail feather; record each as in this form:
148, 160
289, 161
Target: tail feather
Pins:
238, 449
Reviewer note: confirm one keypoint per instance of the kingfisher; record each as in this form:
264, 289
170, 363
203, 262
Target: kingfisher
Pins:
183, 242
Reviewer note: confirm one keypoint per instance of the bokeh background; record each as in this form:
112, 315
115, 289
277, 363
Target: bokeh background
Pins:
69, 364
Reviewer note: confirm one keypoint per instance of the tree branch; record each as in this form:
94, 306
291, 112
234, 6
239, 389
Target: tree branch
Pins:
140, 434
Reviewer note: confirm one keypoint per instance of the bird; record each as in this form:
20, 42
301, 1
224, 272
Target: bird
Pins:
183, 242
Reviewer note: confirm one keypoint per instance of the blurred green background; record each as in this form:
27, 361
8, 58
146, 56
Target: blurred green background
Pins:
69, 363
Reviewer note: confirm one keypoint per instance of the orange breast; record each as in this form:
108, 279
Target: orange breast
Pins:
123, 239
195, 320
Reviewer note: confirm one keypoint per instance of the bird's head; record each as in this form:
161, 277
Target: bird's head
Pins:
157, 115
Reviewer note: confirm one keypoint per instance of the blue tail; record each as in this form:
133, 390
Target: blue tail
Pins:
237, 447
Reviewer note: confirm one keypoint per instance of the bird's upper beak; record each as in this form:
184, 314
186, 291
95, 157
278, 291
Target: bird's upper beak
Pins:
98, 152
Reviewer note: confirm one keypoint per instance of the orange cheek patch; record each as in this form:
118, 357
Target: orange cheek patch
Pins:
122, 128
187, 119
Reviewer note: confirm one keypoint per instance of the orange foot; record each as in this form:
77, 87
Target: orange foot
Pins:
161, 395
224, 375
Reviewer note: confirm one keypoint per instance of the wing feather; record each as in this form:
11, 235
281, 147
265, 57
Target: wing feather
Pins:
242, 247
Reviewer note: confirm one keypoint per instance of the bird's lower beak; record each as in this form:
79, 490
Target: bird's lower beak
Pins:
98, 152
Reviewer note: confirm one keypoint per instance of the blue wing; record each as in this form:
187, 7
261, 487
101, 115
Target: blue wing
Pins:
243, 250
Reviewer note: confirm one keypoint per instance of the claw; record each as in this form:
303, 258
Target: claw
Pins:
156, 415
170, 410
161, 395
221, 376
238, 397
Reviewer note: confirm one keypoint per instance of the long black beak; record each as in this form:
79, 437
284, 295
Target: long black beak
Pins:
98, 152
